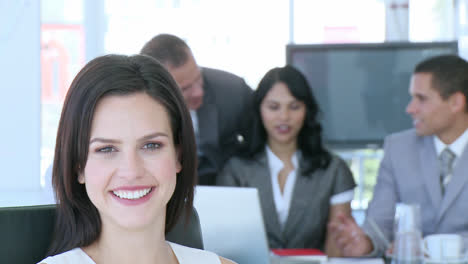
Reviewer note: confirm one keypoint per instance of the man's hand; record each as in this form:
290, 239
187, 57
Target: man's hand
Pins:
349, 237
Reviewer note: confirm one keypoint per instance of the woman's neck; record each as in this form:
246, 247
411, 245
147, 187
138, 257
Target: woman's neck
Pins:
117, 245
284, 151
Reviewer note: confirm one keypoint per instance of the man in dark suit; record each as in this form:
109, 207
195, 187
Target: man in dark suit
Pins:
216, 100
426, 165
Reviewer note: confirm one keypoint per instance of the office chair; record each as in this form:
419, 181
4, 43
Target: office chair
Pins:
26, 233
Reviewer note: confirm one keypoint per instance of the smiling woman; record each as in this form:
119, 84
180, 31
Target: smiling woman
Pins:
132, 159
124, 167
302, 186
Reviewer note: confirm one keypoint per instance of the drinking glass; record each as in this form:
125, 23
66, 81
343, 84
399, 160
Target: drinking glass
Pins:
408, 236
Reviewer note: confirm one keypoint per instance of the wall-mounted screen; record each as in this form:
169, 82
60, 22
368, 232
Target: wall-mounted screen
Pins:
362, 89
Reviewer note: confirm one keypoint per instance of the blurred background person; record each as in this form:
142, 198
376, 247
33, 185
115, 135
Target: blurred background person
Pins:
425, 165
215, 98
302, 186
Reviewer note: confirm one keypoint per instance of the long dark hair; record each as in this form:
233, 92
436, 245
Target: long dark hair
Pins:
309, 137
78, 223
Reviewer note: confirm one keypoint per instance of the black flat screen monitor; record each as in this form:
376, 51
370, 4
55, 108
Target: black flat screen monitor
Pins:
362, 89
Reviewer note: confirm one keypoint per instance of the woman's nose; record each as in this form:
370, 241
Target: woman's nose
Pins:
284, 114
131, 165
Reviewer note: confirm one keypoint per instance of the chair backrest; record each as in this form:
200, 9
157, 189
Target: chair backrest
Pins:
26, 233
187, 234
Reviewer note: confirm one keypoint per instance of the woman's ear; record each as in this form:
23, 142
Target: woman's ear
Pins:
81, 178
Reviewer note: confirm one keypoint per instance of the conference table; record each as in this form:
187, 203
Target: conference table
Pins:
313, 260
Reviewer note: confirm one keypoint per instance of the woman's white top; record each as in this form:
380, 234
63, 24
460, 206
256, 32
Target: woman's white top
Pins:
283, 200
184, 255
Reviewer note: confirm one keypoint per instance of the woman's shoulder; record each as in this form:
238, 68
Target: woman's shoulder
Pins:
187, 255
241, 164
341, 172
246, 161
336, 162
73, 256
336, 158
337, 168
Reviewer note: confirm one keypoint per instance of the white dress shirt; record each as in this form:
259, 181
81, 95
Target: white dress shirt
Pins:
193, 115
457, 147
283, 200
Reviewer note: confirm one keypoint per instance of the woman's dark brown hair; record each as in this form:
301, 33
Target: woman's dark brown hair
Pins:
78, 223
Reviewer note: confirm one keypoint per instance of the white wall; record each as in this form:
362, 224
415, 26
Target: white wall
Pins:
95, 24
19, 94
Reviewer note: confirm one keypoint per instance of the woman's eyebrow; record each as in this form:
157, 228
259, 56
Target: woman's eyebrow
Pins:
103, 140
113, 141
153, 135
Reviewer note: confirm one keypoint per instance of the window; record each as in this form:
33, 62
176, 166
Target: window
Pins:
341, 21
244, 37
431, 20
62, 56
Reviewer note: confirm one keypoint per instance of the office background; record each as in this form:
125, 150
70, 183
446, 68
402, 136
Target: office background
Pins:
43, 43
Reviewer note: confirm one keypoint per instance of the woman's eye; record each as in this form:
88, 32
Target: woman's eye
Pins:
106, 150
296, 105
152, 146
273, 107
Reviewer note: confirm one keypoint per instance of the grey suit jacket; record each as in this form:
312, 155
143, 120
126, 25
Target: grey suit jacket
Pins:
225, 98
307, 221
409, 173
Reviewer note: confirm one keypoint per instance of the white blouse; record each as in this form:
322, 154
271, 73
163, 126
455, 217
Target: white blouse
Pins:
184, 255
283, 200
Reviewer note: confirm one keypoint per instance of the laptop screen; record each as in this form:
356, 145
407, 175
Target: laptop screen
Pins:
232, 223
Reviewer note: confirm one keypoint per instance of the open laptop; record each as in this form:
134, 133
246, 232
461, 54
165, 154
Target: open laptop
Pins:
232, 223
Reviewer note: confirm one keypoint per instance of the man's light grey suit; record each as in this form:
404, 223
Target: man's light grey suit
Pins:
410, 173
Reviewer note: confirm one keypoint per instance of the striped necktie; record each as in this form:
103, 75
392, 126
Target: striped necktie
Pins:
446, 159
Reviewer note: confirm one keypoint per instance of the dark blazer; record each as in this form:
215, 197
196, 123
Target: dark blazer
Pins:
307, 220
409, 173
225, 98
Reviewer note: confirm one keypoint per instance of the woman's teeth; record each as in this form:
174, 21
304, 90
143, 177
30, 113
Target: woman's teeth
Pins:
132, 195
283, 128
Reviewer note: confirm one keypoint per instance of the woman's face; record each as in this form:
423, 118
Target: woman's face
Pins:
282, 114
130, 174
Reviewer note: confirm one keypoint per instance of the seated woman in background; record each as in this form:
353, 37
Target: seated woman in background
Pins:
124, 168
301, 185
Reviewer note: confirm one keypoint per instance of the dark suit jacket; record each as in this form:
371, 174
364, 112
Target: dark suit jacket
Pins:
409, 173
225, 98
307, 220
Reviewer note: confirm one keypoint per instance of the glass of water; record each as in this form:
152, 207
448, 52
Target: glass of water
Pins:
407, 246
